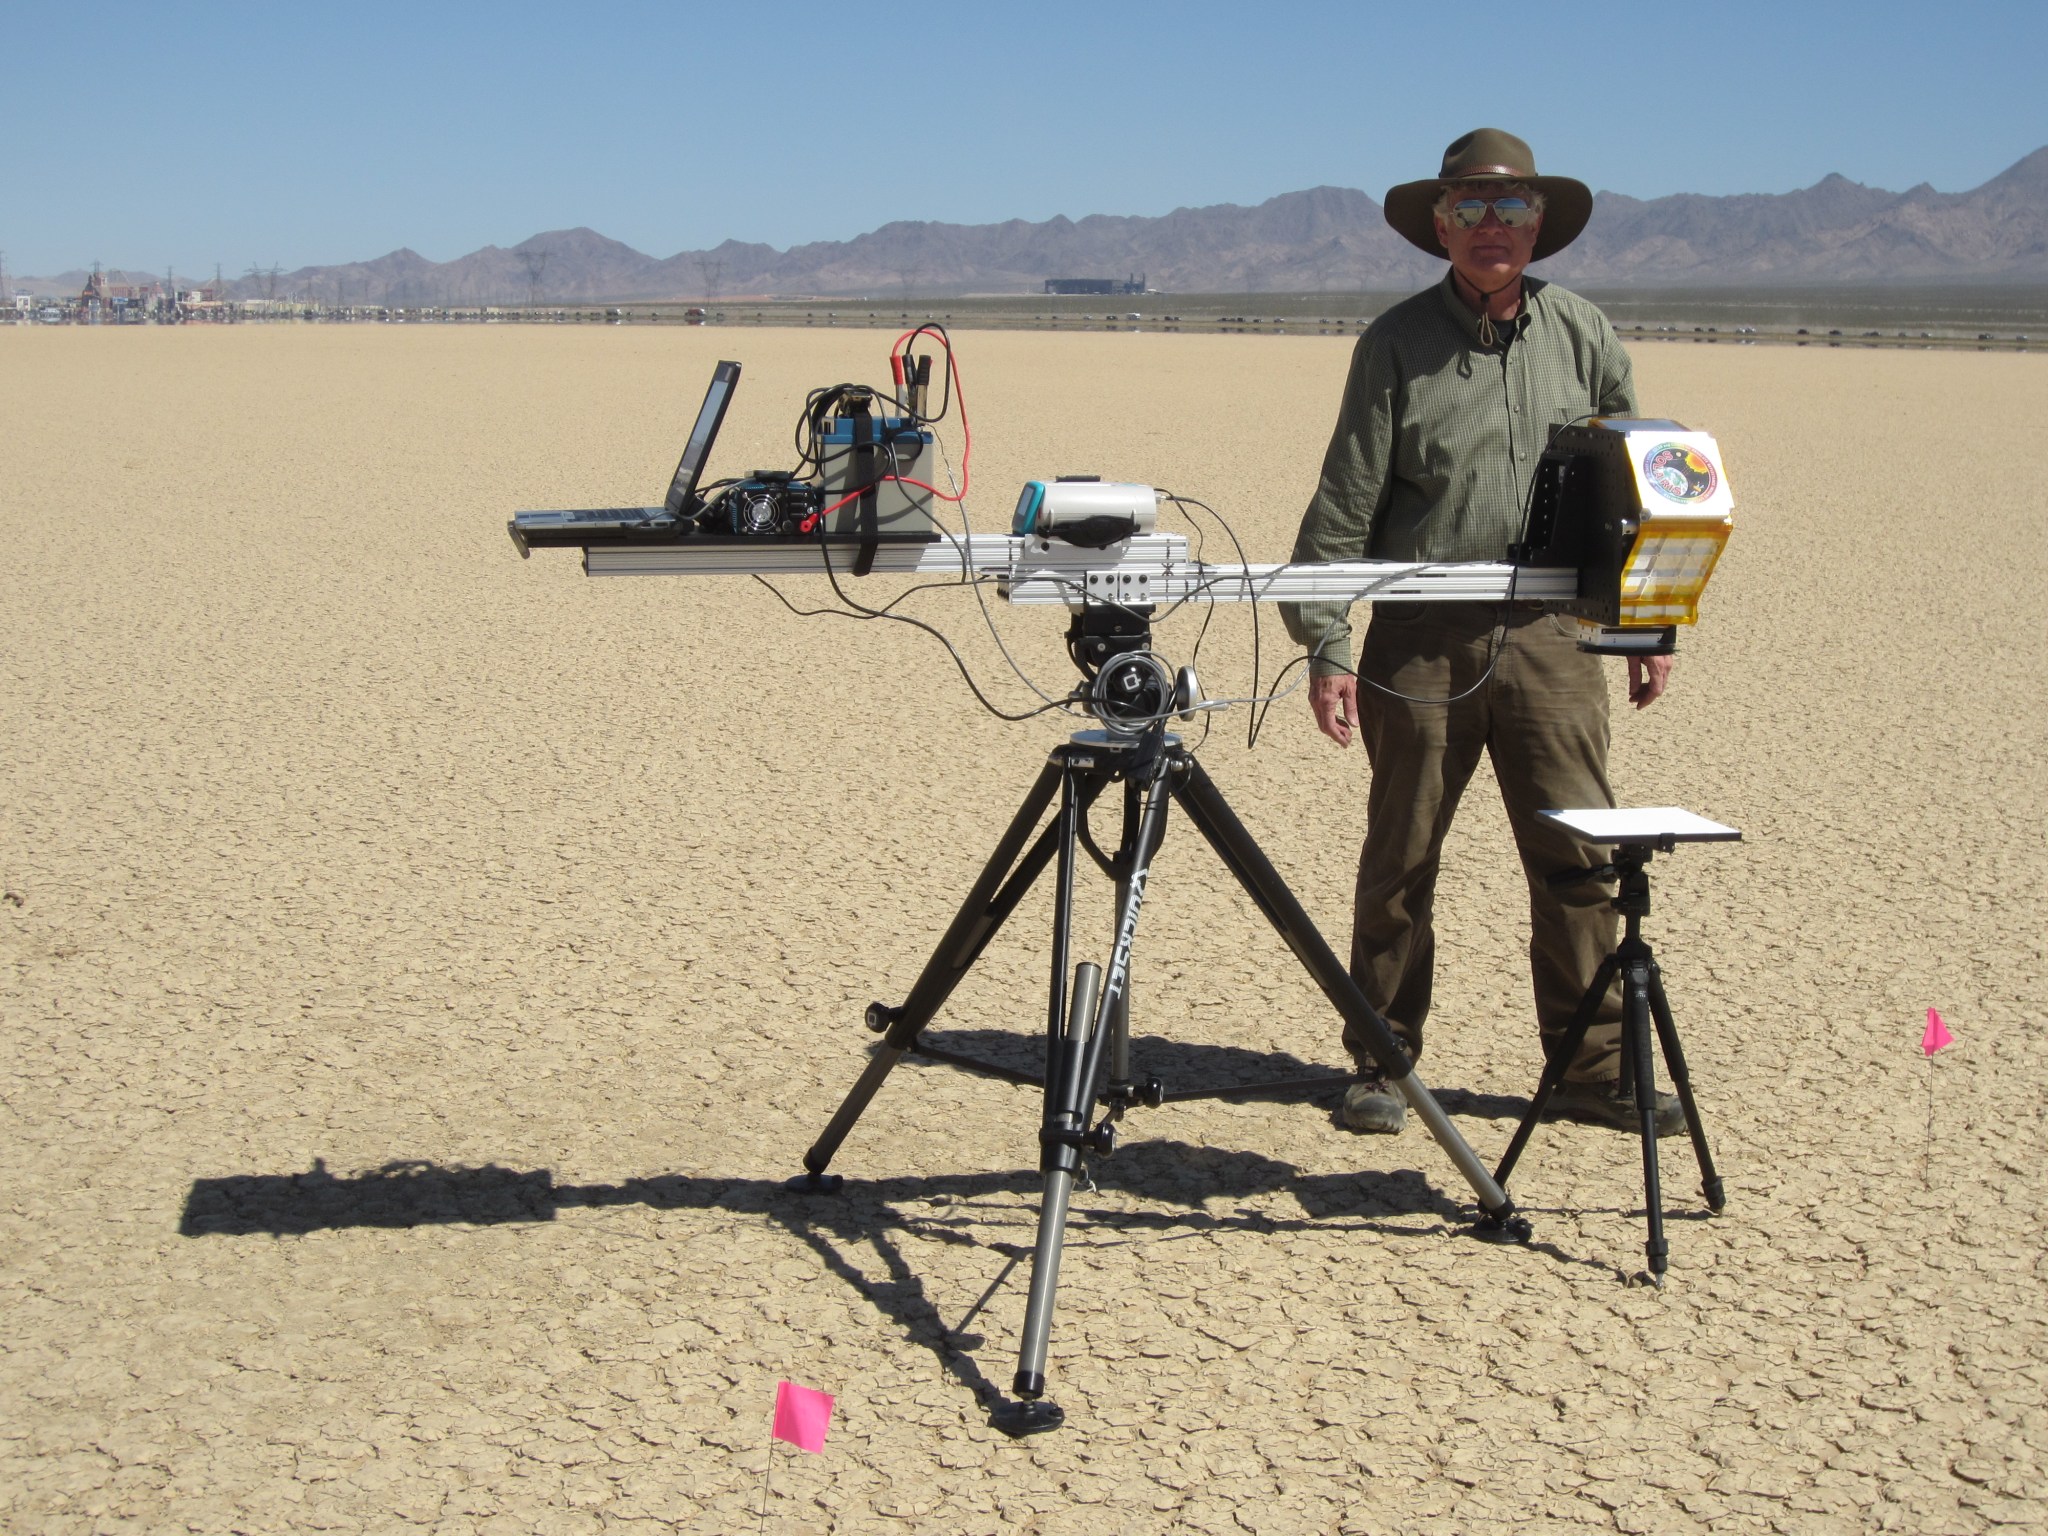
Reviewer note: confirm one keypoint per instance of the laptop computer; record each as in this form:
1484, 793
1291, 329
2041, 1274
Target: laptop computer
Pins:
639, 525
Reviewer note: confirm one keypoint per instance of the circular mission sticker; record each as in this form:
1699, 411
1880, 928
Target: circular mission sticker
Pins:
1680, 473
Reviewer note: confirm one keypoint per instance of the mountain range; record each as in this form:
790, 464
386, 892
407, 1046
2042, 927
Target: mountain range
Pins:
1324, 239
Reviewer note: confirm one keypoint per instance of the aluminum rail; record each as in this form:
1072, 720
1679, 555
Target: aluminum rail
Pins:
1151, 568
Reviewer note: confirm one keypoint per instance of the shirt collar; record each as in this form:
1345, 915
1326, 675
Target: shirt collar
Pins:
1468, 320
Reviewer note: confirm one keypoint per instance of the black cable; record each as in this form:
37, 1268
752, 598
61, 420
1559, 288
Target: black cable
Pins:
1209, 611
862, 611
808, 436
808, 440
860, 614
933, 328
820, 402
1251, 735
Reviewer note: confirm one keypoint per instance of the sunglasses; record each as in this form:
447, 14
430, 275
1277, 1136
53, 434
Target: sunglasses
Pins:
1470, 212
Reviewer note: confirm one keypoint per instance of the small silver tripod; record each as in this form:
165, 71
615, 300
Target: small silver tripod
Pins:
1634, 835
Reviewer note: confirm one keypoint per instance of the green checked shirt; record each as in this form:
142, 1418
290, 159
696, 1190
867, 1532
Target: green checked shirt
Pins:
1438, 437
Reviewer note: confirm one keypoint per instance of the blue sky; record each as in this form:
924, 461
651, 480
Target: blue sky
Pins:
145, 135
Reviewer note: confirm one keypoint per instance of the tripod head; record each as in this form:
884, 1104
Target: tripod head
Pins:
1634, 836
1125, 684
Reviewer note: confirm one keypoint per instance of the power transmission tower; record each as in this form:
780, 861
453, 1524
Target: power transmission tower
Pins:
536, 263
713, 268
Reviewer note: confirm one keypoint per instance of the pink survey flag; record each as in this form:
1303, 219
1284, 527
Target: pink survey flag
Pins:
1937, 1034
802, 1415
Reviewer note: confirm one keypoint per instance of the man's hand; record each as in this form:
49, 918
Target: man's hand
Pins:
1335, 702
1647, 678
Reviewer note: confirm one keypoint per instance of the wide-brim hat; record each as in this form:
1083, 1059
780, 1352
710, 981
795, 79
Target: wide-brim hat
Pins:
1490, 154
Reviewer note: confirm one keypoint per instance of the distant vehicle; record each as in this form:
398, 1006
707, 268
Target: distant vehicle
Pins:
1834, 333
1983, 335
1134, 315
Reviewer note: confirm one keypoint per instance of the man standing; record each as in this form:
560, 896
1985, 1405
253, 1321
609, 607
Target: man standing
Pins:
1452, 398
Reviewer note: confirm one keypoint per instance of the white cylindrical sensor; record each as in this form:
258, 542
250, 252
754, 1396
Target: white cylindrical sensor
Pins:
1049, 505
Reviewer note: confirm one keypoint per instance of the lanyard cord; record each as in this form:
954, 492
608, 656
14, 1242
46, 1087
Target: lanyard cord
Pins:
1487, 335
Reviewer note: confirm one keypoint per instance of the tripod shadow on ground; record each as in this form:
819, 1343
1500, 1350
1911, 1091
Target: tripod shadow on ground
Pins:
1180, 1182
1182, 1066
1480, 1106
1213, 1070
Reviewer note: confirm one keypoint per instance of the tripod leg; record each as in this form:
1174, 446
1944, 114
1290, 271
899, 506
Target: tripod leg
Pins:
1681, 1080
969, 934
1242, 855
1555, 1061
1635, 1010
1060, 1158
1120, 1041
1065, 1135
1062, 931
1111, 1020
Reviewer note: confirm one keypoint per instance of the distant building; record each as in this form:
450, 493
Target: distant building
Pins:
91, 302
1135, 283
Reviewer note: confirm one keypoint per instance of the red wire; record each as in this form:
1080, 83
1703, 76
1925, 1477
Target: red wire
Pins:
811, 521
966, 431
896, 367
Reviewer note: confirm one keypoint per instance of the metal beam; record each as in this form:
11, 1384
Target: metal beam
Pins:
1149, 569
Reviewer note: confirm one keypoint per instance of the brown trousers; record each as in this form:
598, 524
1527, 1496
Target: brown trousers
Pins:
1542, 719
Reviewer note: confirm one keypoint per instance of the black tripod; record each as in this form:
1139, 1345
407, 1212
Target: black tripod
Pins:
1642, 1001
1088, 1029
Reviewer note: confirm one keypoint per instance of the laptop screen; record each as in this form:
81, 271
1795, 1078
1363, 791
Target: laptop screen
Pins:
682, 490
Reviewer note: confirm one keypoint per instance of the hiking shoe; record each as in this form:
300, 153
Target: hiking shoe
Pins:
1604, 1104
1372, 1108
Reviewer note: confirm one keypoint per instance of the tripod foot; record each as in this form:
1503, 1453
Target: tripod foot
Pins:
1717, 1198
1504, 1228
1026, 1418
1659, 1256
814, 1184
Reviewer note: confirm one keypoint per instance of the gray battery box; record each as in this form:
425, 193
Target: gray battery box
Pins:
862, 451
